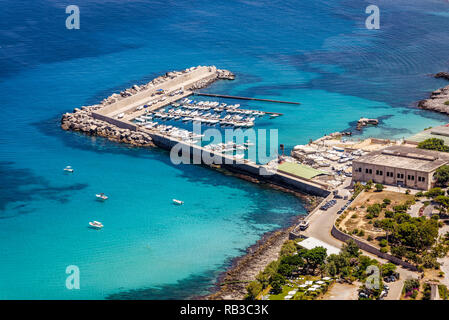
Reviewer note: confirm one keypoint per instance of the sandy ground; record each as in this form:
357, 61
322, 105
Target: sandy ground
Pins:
342, 291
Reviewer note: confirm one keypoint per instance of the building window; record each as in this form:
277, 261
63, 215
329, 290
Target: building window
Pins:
360, 169
400, 176
370, 171
379, 172
421, 179
389, 174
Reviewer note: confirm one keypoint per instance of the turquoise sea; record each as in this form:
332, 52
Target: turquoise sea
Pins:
316, 52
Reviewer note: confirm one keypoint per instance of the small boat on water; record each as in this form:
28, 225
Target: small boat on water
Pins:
178, 202
68, 169
95, 225
101, 196
274, 115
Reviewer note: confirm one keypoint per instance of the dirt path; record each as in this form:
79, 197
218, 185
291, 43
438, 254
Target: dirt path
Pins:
342, 291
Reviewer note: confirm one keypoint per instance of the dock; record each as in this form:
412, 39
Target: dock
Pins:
121, 113
241, 98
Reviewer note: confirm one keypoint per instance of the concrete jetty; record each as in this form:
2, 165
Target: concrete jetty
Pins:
112, 119
242, 98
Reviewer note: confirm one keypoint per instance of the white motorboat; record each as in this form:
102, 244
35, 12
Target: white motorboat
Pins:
95, 224
68, 169
101, 196
178, 202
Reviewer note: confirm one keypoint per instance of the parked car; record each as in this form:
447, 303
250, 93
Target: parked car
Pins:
383, 294
303, 225
362, 294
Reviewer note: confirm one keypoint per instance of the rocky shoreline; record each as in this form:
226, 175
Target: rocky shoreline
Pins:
439, 99
232, 283
81, 118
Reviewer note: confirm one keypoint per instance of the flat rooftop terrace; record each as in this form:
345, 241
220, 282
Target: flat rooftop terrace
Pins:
440, 132
408, 158
299, 170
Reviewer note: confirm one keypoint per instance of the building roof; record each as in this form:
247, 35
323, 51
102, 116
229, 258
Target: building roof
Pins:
440, 132
408, 158
299, 170
311, 243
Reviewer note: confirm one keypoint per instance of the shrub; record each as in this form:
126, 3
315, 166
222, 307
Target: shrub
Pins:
384, 250
370, 238
361, 233
411, 284
383, 243
407, 191
379, 187
400, 208
434, 192
374, 209
442, 290
433, 144
389, 214
446, 102
288, 248
354, 216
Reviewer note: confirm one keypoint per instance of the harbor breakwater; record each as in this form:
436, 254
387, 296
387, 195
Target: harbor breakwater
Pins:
81, 120
99, 120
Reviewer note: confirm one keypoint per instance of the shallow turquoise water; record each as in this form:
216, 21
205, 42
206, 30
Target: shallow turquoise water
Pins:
317, 53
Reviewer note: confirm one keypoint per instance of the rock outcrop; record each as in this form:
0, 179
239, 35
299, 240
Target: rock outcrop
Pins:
443, 75
365, 121
81, 120
438, 101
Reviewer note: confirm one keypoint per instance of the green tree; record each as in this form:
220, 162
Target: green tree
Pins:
253, 290
276, 282
442, 175
285, 269
388, 269
315, 257
433, 144
351, 248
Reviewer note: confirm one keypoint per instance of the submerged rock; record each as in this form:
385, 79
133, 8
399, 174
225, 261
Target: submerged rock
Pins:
444, 75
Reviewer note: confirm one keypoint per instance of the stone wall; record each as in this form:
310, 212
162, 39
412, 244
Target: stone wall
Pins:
371, 249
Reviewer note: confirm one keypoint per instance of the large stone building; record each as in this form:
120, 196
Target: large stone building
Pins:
400, 166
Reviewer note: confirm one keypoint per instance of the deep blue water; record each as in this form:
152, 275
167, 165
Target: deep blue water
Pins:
316, 52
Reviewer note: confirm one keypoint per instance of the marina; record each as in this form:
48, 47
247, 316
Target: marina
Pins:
163, 113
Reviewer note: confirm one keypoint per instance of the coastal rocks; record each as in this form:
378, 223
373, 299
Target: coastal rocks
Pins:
443, 75
225, 74
81, 120
438, 101
366, 121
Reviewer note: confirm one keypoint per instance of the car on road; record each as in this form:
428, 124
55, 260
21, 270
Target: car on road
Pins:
303, 225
